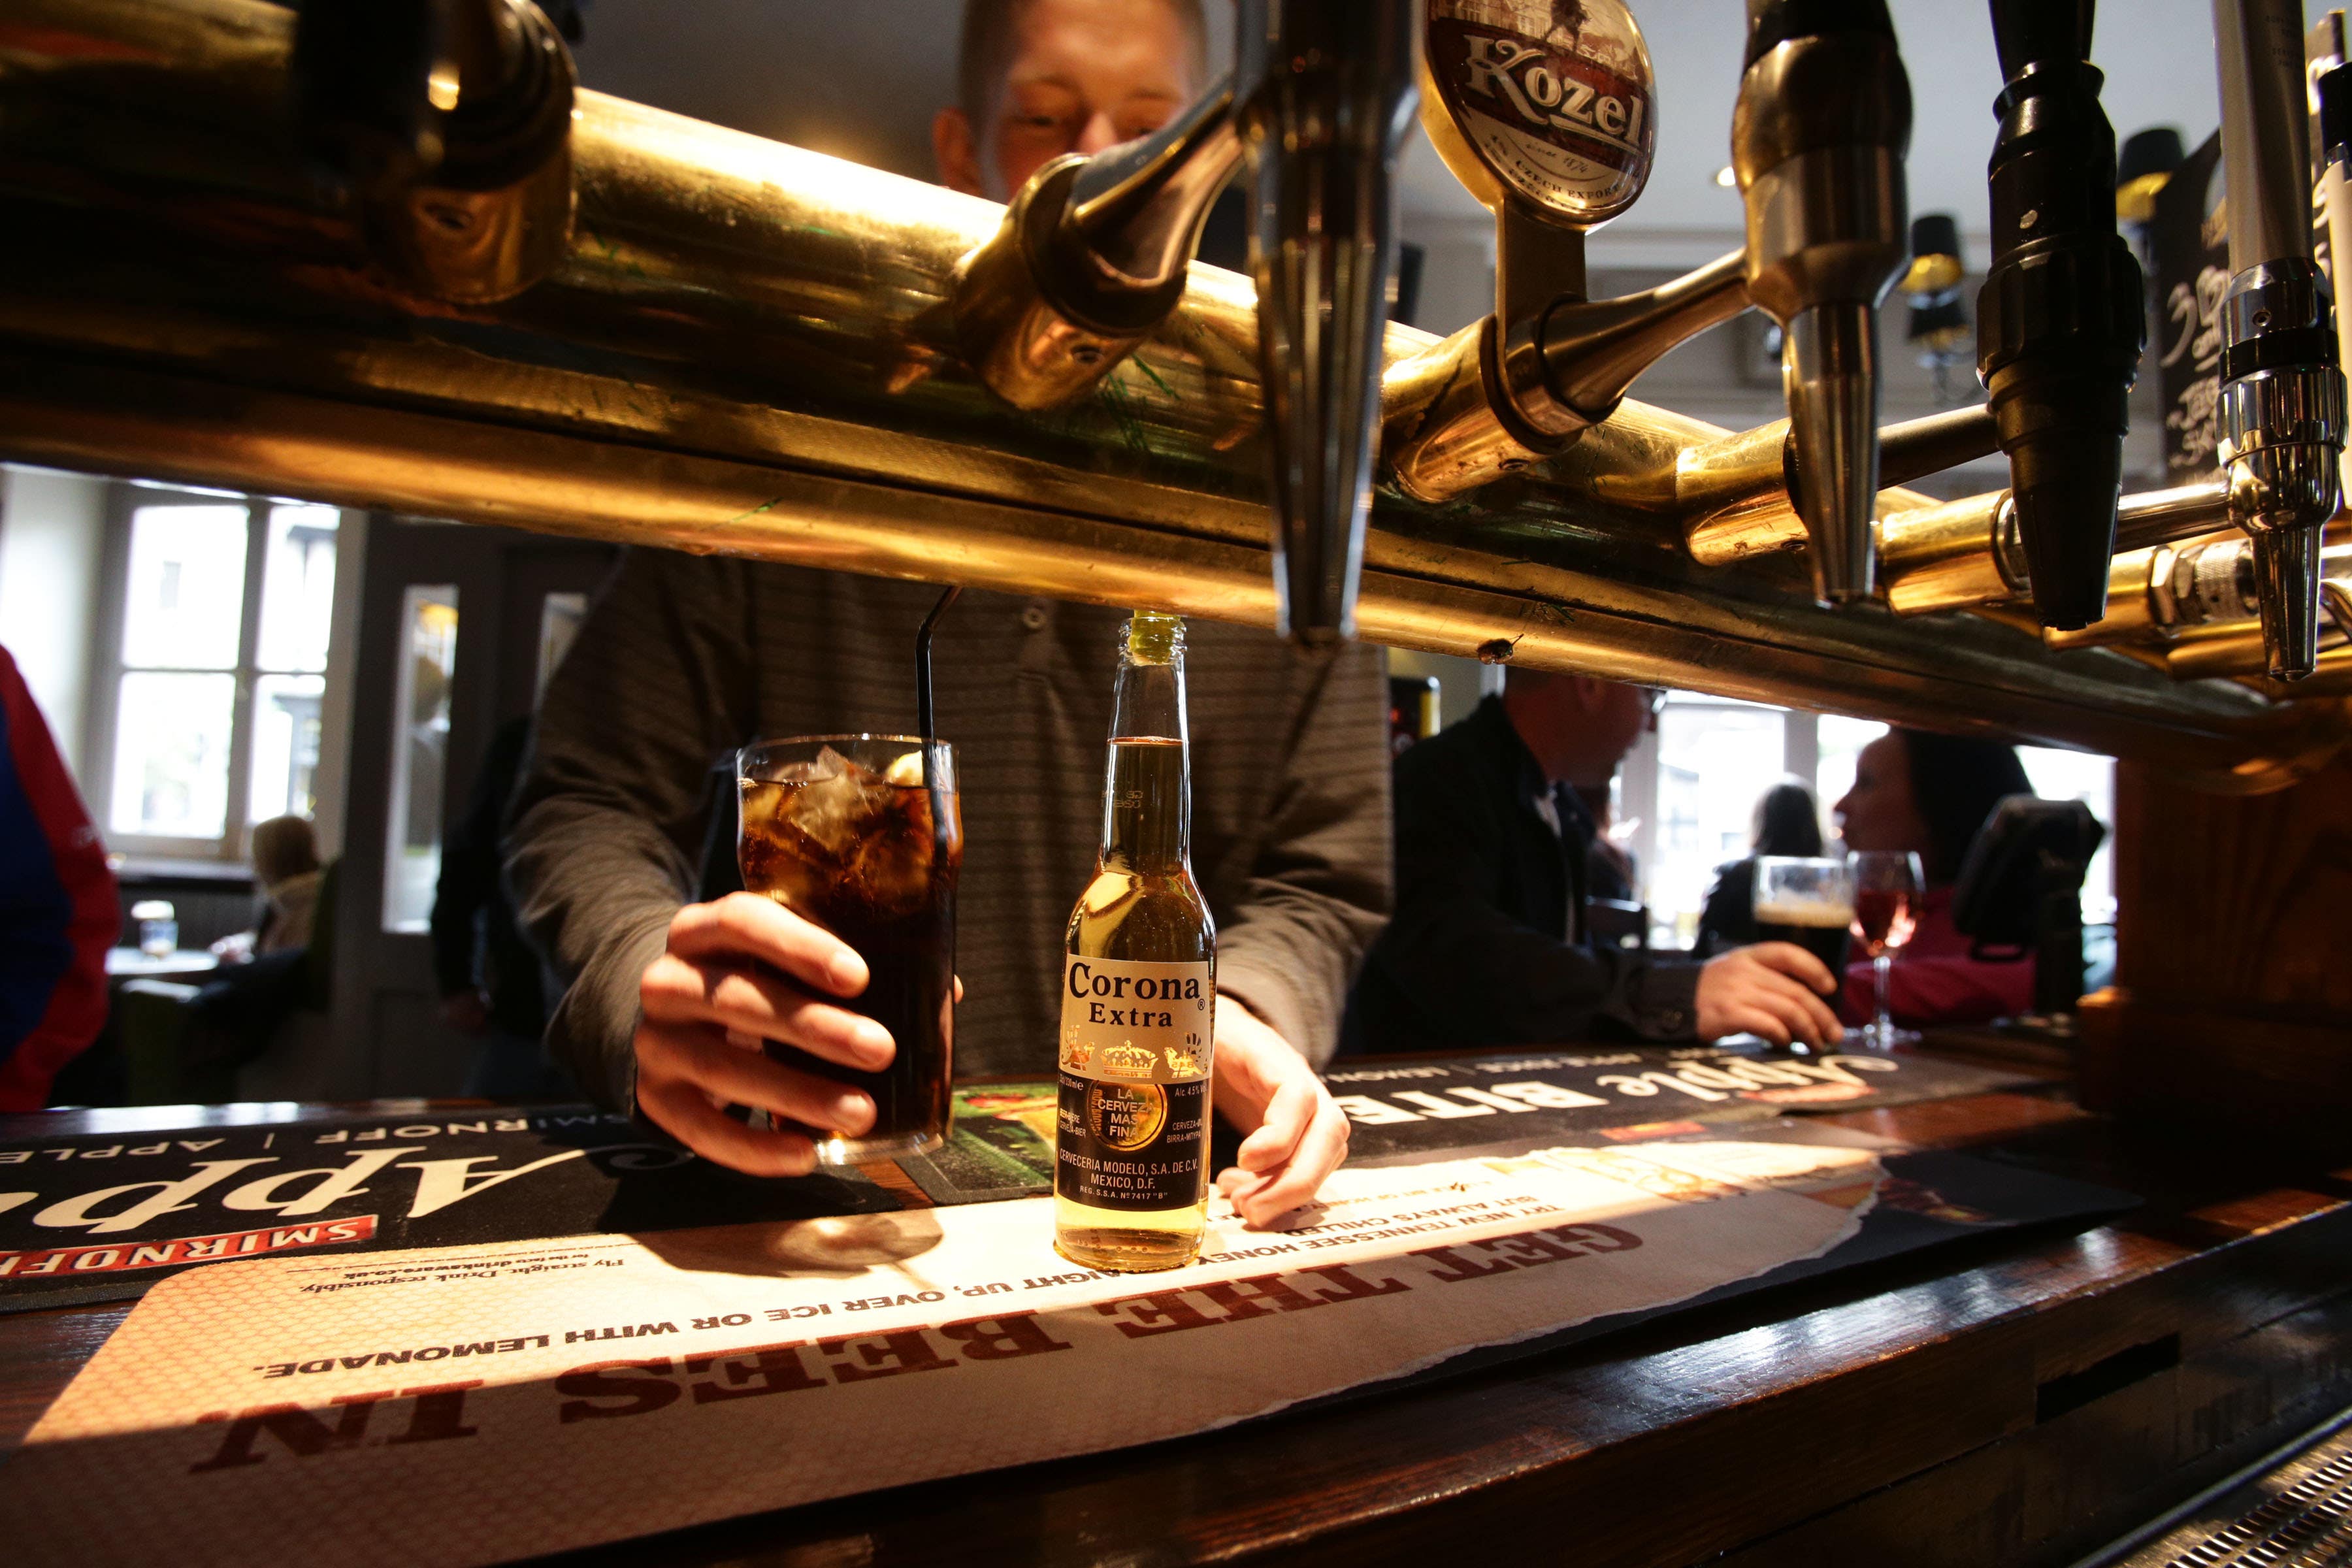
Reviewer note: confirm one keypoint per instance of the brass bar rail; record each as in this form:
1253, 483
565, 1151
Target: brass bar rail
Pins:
748, 350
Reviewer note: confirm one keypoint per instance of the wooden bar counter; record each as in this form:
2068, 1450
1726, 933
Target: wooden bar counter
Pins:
2026, 1397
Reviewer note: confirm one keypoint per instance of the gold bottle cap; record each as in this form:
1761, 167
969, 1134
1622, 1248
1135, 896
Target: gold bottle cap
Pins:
1154, 637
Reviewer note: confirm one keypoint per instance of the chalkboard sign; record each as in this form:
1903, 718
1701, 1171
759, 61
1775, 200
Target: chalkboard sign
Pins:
2188, 240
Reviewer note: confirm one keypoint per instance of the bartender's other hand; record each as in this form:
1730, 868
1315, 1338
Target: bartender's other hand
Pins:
737, 972
1296, 1134
1773, 989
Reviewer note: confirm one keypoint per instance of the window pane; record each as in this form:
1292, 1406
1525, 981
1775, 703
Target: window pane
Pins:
420, 745
185, 593
298, 588
1842, 742
2071, 775
285, 747
1713, 762
560, 616
171, 755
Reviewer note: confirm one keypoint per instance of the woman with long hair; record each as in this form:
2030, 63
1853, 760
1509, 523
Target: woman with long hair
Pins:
1929, 795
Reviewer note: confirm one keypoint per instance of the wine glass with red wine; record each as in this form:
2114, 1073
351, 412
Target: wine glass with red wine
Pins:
1886, 884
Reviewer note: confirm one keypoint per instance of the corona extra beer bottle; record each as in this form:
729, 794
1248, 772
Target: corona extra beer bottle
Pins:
1139, 997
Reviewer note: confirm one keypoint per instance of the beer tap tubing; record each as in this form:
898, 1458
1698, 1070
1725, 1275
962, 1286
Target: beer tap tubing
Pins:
2281, 404
2062, 317
1323, 93
1818, 137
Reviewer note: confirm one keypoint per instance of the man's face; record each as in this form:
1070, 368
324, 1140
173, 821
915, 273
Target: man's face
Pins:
1084, 75
1579, 728
1619, 714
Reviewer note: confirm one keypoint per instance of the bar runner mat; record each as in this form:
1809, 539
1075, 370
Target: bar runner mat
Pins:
95, 1218
475, 1404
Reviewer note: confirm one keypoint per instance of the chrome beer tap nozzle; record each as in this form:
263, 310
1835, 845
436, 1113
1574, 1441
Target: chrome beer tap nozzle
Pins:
1818, 138
2283, 402
1323, 94
1091, 257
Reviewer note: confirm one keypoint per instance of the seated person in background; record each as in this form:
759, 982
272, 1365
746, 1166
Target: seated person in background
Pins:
1610, 872
58, 913
1788, 821
1488, 946
270, 971
1929, 795
286, 865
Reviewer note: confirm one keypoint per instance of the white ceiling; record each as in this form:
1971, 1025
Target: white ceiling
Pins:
861, 80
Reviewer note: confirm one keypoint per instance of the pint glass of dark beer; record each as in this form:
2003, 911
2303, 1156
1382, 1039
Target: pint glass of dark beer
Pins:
846, 831
1808, 900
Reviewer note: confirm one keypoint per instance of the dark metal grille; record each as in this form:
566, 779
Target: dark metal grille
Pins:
2306, 1525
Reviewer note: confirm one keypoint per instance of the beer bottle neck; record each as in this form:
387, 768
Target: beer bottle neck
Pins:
1147, 791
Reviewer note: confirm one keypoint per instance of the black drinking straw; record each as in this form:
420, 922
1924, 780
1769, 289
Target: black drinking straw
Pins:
925, 720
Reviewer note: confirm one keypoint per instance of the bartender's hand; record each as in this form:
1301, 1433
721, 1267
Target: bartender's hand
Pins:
738, 972
1773, 989
1297, 1133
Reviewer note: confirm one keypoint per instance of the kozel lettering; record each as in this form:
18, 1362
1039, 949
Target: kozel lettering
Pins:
1519, 75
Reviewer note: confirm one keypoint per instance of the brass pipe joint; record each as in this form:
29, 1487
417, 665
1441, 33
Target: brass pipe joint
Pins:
1090, 258
1736, 495
2201, 600
450, 123
1476, 410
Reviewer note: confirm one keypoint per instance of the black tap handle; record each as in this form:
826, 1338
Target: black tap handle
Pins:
2025, 31
2062, 317
1771, 22
2335, 116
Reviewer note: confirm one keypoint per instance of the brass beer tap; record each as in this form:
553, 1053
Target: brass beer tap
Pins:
1544, 112
1818, 138
1091, 257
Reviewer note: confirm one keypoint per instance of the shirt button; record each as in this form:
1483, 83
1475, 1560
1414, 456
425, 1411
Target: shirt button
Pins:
1032, 618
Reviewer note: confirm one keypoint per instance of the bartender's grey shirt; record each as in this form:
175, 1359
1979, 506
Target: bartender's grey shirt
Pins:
683, 657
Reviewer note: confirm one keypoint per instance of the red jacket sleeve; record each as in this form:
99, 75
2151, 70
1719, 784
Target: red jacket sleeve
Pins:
58, 913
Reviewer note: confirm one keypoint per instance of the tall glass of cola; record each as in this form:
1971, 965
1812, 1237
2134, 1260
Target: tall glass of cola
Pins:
848, 832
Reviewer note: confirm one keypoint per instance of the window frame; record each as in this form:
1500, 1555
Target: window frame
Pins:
108, 667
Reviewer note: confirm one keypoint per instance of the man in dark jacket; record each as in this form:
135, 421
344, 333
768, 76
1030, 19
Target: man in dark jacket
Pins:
1494, 854
490, 978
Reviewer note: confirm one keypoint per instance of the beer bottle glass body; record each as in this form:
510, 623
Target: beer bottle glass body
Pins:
1138, 996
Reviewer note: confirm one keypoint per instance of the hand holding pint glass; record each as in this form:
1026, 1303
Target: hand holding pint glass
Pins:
823, 994
1777, 987
1808, 900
